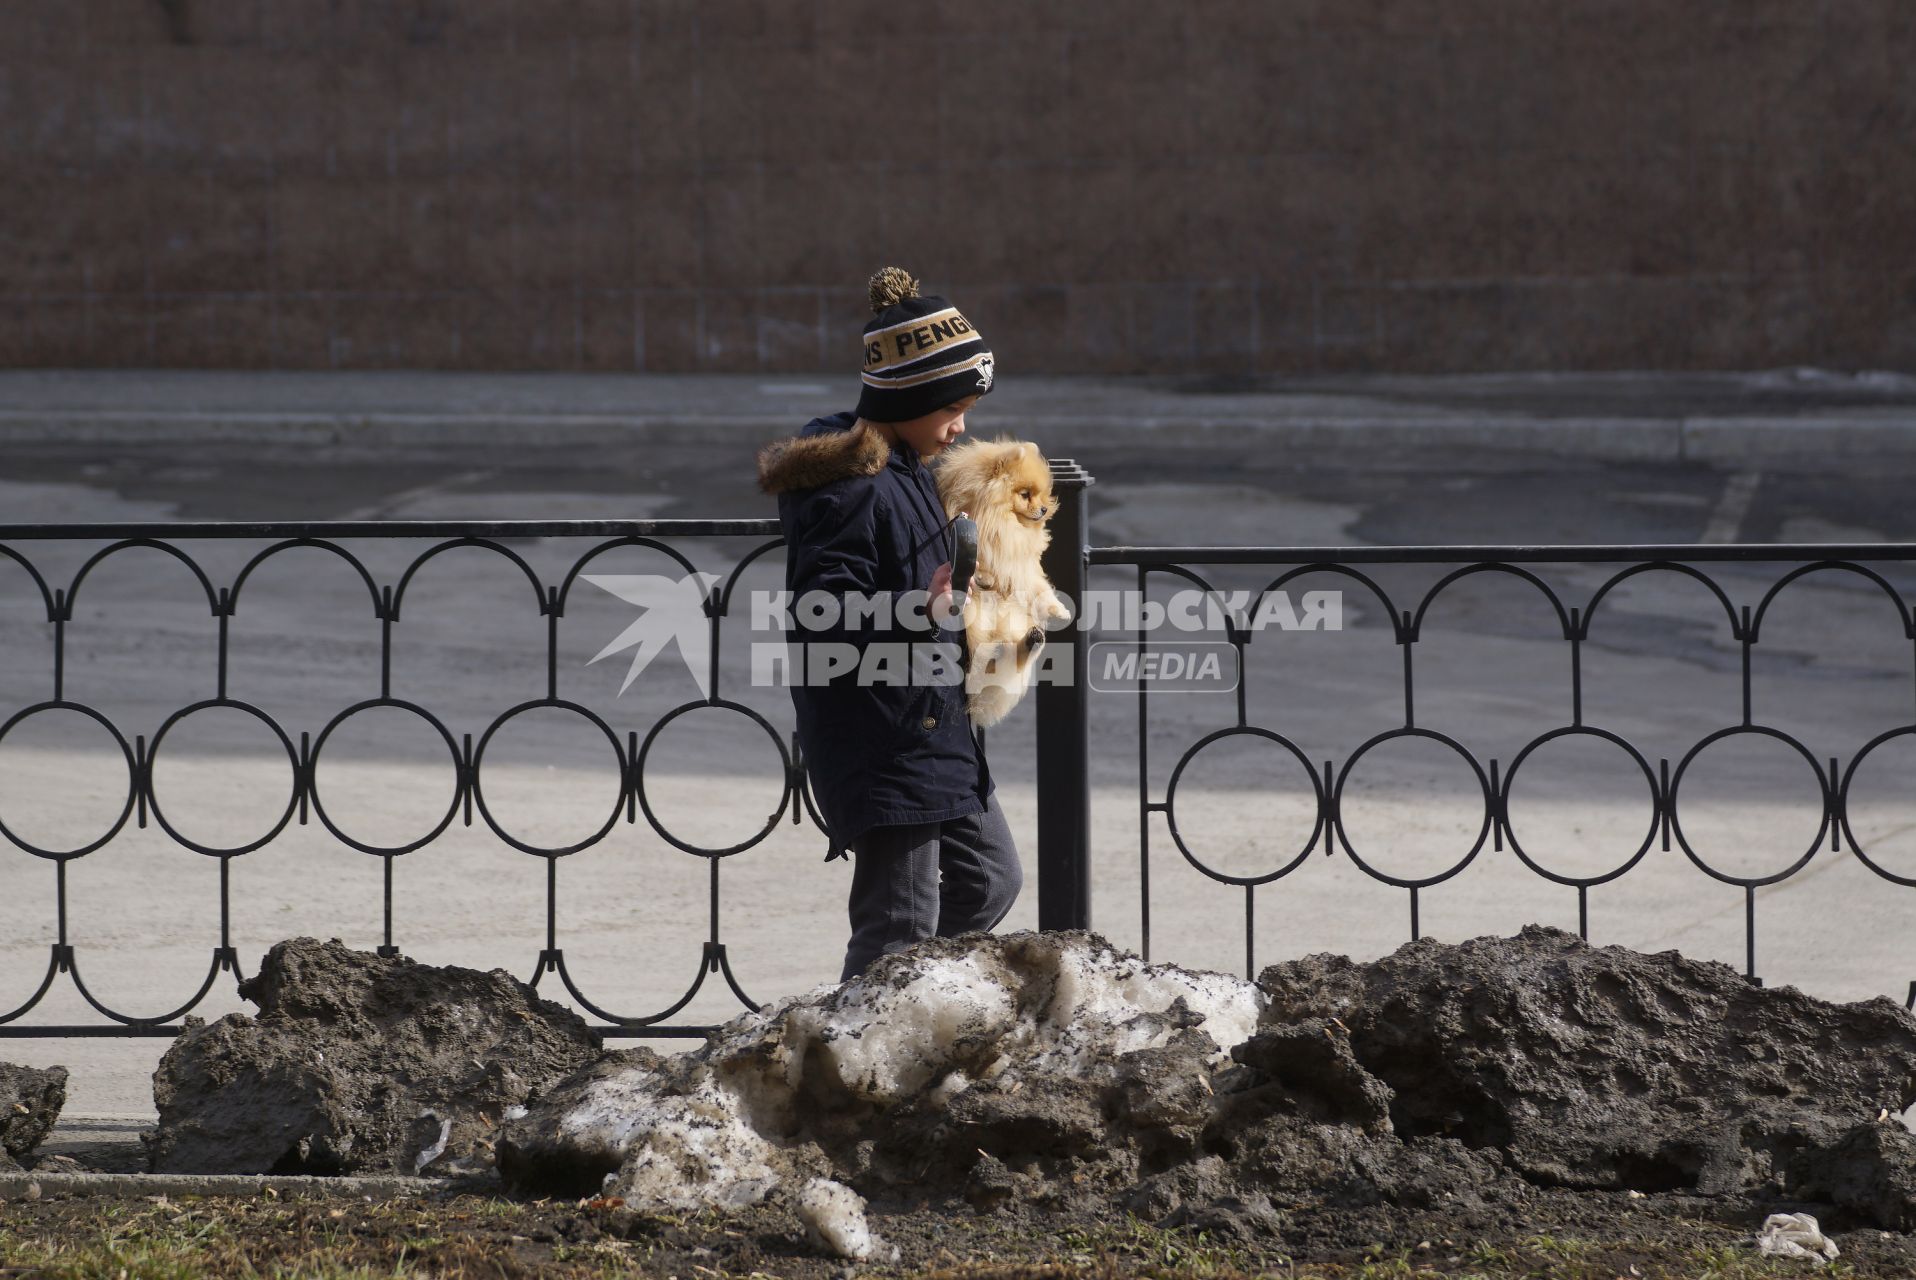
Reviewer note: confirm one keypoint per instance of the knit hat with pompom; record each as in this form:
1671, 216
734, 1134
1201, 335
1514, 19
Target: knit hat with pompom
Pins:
920, 353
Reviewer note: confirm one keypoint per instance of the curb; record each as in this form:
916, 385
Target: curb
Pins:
1752, 438
31, 1186
1698, 439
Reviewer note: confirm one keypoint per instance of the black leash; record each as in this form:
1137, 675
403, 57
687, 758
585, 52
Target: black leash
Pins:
962, 551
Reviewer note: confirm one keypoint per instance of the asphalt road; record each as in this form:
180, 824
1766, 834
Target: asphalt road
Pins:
1407, 496
1834, 669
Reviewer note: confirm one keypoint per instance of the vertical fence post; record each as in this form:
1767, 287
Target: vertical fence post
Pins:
1064, 732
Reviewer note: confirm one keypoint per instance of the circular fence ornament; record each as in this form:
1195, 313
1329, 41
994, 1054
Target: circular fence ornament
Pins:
478, 775
319, 747
645, 753
1676, 810
1601, 735
1177, 776
132, 784
1845, 805
292, 765
1483, 787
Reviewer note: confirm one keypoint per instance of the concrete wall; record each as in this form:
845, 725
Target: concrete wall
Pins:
1226, 186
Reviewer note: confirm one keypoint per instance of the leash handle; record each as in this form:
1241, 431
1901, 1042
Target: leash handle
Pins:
964, 559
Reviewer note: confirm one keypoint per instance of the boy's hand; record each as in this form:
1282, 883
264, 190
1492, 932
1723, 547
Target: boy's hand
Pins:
941, 607
943, 604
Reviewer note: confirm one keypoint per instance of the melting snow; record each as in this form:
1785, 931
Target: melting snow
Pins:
724, 1125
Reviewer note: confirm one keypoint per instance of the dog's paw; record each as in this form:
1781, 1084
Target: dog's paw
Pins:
1034, 641
989, 705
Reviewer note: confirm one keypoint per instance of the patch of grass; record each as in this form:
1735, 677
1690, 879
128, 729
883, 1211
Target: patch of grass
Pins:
602, 1257
469, 1237
1733, 1262
1555, 1247
160, 1239
1384, 1264
1490, 1257
1159, 1249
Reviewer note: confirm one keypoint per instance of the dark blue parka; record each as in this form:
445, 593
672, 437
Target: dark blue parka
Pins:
864, 517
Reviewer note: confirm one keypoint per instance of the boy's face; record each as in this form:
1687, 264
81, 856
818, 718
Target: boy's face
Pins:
931, 433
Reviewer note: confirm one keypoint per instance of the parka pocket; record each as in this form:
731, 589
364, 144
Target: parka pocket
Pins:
926, 714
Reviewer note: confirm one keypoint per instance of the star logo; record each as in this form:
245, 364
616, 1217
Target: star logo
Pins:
673, 611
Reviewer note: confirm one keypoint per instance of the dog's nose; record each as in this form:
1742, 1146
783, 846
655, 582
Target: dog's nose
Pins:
1041, 512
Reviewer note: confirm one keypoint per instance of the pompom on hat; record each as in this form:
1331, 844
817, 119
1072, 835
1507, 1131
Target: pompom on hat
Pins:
921, 354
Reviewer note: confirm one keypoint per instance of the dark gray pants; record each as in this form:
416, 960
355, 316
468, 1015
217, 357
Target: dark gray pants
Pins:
943, 878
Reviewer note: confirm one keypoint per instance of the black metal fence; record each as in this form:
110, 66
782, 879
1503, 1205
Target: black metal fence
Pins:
1063, 737
304, 747
1494, 779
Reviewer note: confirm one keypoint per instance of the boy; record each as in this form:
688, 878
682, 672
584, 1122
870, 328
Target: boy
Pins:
894, 768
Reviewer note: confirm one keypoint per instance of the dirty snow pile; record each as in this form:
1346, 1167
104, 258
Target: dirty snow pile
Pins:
30, 1102
359, 1063
994, 1044
1054, 1072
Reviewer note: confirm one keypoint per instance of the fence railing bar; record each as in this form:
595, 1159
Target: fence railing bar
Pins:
386, 529
1165, 557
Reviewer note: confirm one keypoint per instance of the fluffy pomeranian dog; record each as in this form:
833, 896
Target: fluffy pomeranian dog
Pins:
1005, 486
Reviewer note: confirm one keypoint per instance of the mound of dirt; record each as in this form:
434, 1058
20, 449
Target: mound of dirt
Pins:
359, 1063
1608, 1068
1058, 1072
30, 1102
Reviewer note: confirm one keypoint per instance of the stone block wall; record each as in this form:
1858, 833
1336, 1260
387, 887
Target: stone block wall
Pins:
1185, 186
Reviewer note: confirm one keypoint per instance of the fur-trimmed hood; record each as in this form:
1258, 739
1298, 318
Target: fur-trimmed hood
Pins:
827, 449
